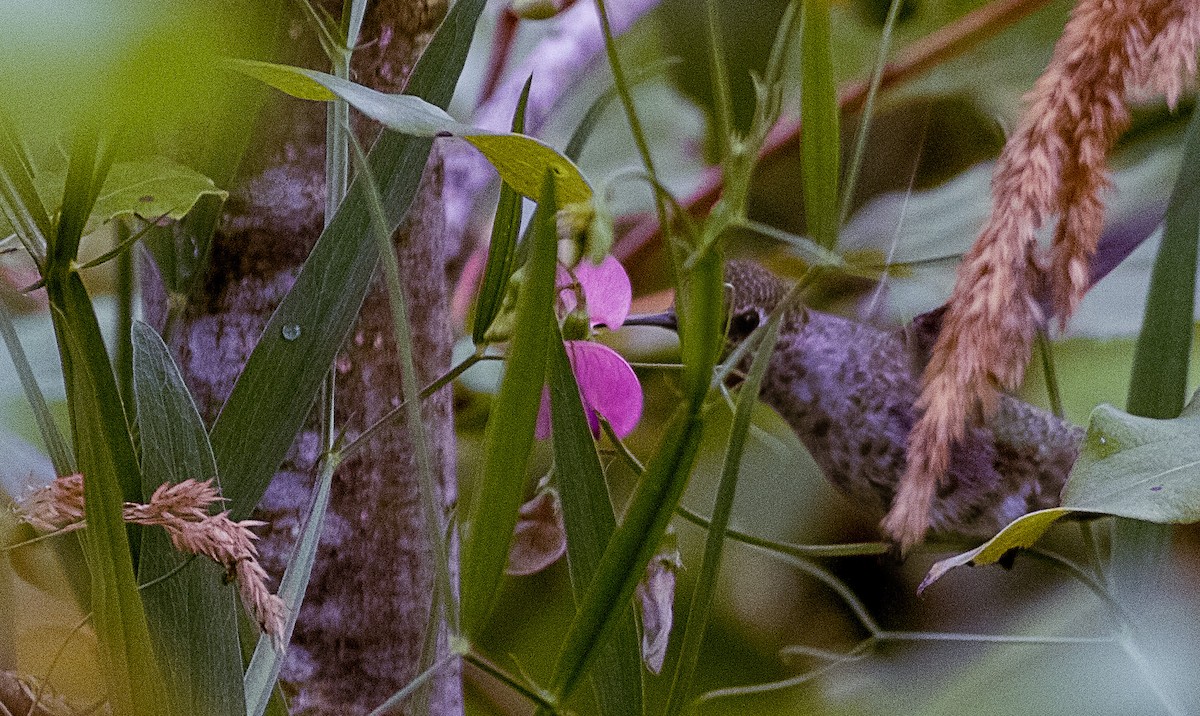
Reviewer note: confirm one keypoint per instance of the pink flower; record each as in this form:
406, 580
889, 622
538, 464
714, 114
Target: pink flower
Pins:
607, 383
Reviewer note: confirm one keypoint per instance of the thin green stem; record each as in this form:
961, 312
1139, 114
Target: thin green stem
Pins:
801, 551
429, 489
403, 694
164, 577
535, 694
635, 124
857, 653
1045, 350
40, 538
868, 113
990, 638
393, 415
1152, 676
37, 696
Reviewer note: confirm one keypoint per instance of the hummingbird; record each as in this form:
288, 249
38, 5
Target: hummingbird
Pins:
848, 391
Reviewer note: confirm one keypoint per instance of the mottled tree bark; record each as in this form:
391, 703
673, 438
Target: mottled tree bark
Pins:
362, 626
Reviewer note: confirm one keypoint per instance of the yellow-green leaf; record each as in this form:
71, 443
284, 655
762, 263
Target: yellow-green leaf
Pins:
521, 161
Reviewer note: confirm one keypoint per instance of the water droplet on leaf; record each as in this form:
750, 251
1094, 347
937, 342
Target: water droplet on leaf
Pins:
291, 332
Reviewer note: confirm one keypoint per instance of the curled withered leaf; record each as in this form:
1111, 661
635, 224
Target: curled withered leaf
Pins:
656, 595
540, 538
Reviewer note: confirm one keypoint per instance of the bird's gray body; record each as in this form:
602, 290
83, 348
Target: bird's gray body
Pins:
848, 390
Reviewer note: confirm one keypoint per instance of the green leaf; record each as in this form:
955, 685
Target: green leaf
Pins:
262, 673
502, 250
1134, 467
21, 207
56, 445
631, 548
820, 140
589, 521
1158, 383
520, 160
1022, 532
706, 583
193, 613
105, 455
273, 395
150, 188
508, 440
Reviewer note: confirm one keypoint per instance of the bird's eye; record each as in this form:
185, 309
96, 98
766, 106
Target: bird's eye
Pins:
743, 324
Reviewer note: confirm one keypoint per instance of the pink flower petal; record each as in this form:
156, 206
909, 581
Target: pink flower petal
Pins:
607, 385
606, 289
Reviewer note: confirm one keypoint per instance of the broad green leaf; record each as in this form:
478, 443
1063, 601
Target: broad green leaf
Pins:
508, 441
520, 160
192, 613
273, 395
502, 249
150, 188
589, 521
1139, 468
820, 141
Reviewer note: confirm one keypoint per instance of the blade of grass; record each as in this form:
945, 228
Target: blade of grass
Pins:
19, 200
276, 390
262, 673
631, 548
502, 249
56, 446
706, 583
868, 113
589, 522
104, 453
1158, 383
820, 142
192, 615
508, 440
431, 502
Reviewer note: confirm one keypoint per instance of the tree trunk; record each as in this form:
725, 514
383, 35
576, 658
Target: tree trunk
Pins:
362, 626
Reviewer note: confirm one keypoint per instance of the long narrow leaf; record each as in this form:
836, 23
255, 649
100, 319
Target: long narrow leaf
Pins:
1158, 383
193, 614
276, 390
820, 141
706, 582
263, 671
56, 446
519, 159
631, 548
502, 250
508, 441
104, 453
589, 521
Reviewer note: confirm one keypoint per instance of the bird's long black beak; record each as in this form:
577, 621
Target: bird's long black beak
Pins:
666, 320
